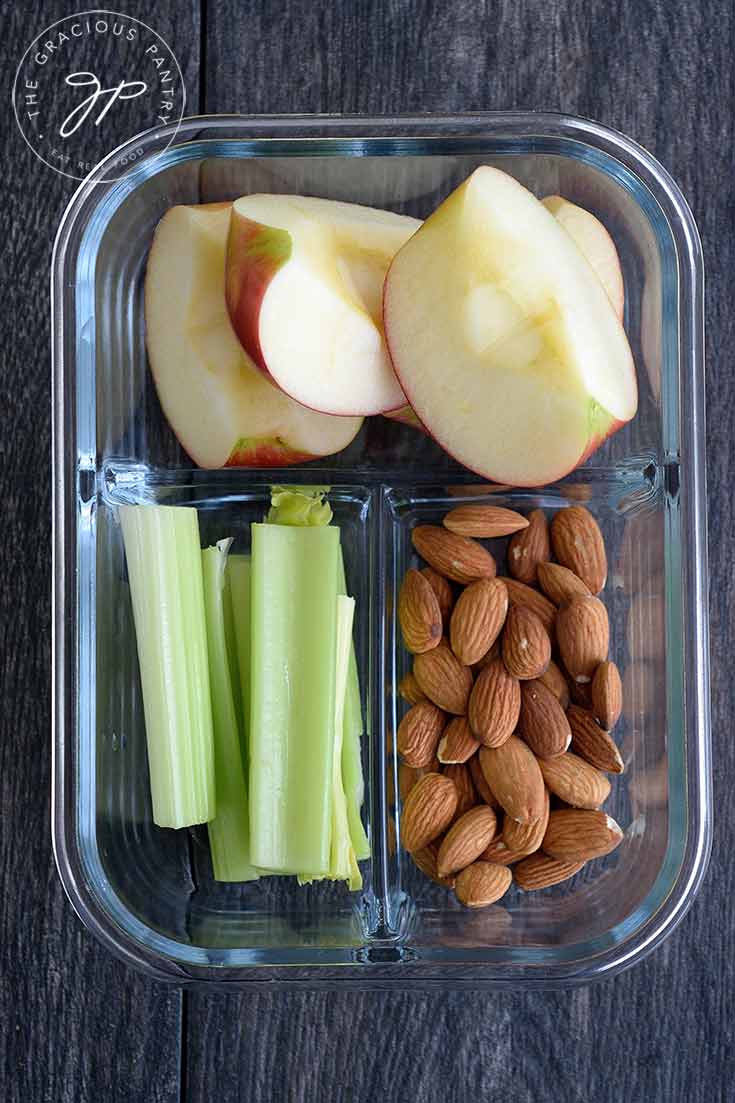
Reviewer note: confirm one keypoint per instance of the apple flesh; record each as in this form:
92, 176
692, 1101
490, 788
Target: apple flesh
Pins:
595, 244
508, 350
221, 408
304, 291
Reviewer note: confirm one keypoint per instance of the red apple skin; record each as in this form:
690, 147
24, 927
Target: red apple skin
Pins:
254, 254
253, 452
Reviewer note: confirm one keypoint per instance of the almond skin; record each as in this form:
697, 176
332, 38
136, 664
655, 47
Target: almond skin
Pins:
460, 776
514, 777
457, 743
529, 548
520, 594
409, 689
607, 695
525, 838
578, 545
456, 557
501, 854
539, 871
425, 860
575, 781
554, 680
484, 791
409, 775
591, 743
427, 811
543, 723
583, 635
466, 839
419, 614
419, 733
481, 884
443, 678
477, 619
526, 644
442, 588
576, 834
560, 584
494, 705
484, 522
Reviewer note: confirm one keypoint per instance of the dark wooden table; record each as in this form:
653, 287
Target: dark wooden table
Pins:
75, 1025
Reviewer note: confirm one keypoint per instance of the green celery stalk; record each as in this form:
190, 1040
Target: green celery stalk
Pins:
237, 576
165, 571
352, 777
342, 863
229, 831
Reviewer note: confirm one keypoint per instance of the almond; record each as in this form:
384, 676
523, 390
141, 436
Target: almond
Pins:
575, 781
466, 839
477, 619
520, 594
427, 811
591, 743
554, 680
425, 860
457, 744
577, 835
578, 545
443, 678
607, 695
529, 548
409, 689
539, 871
484, 522
583, 635
419, 614
526, 644
482, 884
419, 733
525, 838
515, 780
442, 588
460, 776
494, 705
560, 584
543, 723
409, 775
484, 791
456, 557
501, 854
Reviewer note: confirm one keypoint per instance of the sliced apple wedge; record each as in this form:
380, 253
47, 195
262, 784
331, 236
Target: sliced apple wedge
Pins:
506, 346
304, 291
596, 245
222, 409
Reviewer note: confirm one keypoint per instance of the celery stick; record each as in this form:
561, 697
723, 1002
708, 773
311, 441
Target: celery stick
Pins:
165, 571
352, 777
238, 577
342, 864
229, 831
291, 740
299, 505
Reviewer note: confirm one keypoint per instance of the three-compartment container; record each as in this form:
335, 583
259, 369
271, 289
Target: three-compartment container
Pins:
148, 893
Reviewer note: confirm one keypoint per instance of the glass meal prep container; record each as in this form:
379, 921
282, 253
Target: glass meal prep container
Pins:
148, 893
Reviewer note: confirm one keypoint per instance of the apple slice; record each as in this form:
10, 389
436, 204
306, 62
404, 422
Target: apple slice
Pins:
595, 243
304, 290
506, 347
221, 408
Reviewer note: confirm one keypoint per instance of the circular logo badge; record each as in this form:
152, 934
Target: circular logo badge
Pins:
91, 82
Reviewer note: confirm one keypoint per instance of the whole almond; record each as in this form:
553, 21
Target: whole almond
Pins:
607, 695
525, 838
575, 781
409, 775
494, 705
409, 689
419, 733
484, 791
481, 884
526, 644
515, 780
425, 860
466, 839
560, 584
484, 522
443, 678
583, 635
456, 557
501, 854
427, 811
457, 743
442, 588
554, 680
576, 834
419, 614
578, 545
529, 548
520, 594
477, 619
591, 743
543, 723
460, 776
539, 871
